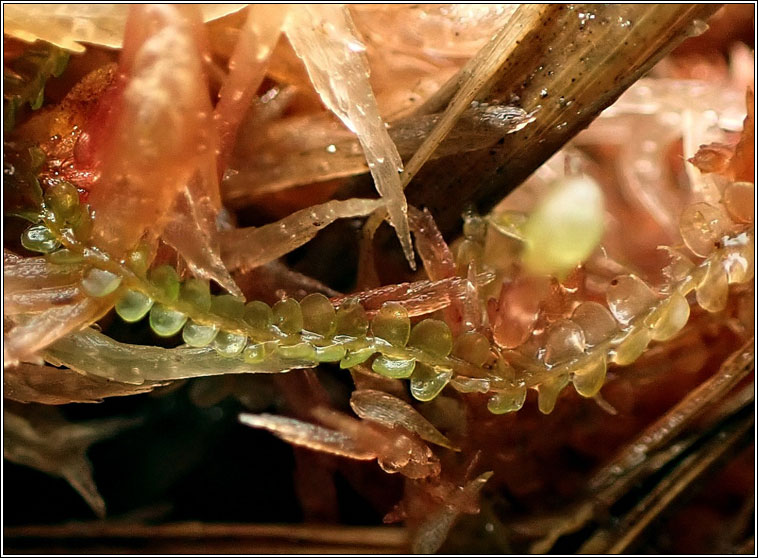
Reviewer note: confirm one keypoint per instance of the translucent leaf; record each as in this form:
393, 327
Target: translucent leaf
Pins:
192, 233
339, 72
133, 306
35, 333
390, 411
30, 383
243, 249
247, 68
93, 353
229, 344
308, 435
197, 335
40, 437
159, 129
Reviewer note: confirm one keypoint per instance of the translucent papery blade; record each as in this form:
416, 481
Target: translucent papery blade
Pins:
247, 68
390, 411
325, 38
33, 285
308, 435
93, 353
192, 233
30, 274
69, 25
419, 298
434, 251
41, 438
34, 333
29, 383
162, 129
428, 537
37, 301
243, 249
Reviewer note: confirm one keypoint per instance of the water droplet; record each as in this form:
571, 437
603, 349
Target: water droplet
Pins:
99, 282
133, 306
